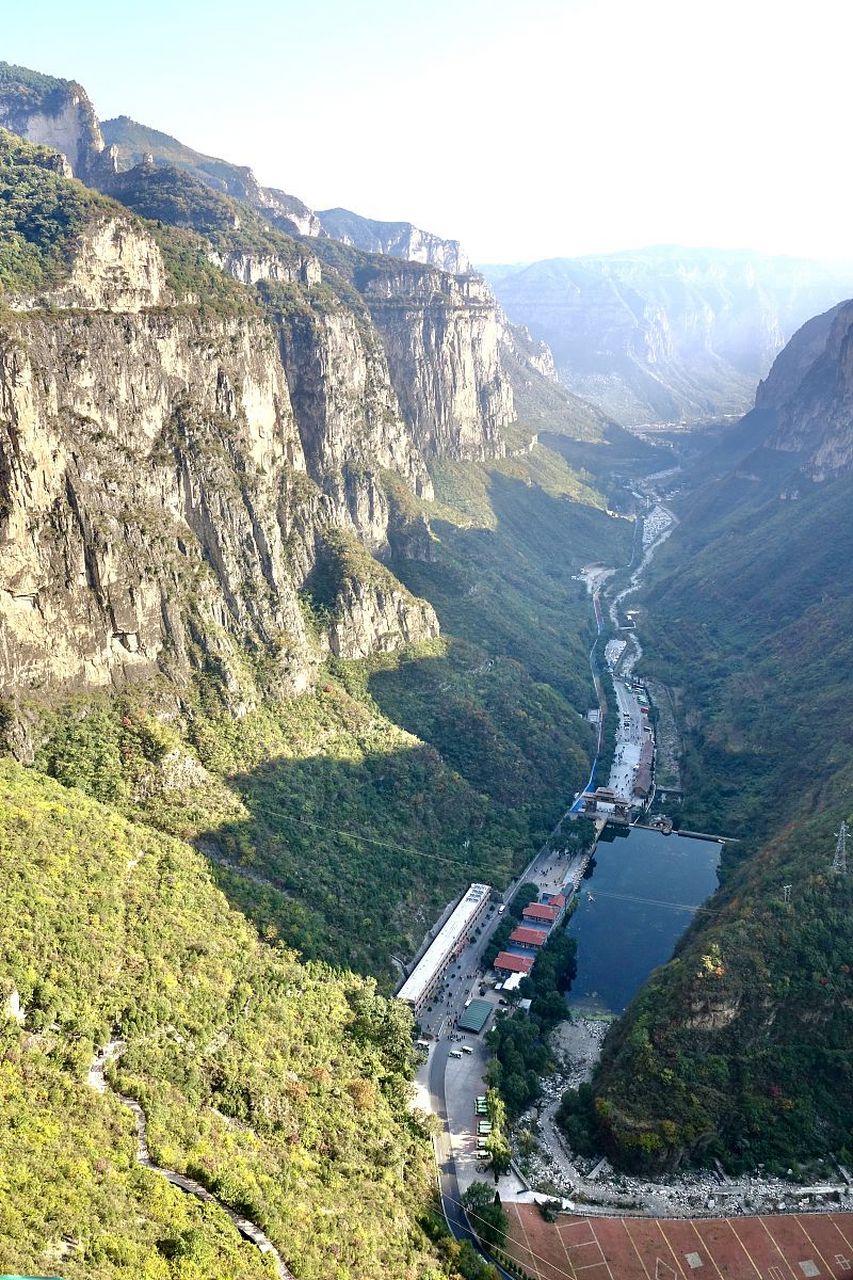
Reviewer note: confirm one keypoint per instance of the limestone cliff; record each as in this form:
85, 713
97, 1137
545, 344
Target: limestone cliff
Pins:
56, 113
809, 394
178, 451
134, 143
156, 511
395, 239
442, 339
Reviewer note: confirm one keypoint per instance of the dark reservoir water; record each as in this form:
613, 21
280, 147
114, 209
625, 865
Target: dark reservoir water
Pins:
654, 880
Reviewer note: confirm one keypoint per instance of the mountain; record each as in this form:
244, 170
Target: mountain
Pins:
398, 239
132, 143
739, 1048
45, 109
291, 650
667, 334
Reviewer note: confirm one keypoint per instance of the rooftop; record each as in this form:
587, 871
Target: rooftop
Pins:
475, 1017
539, 911
450, 933
529, 937
515, 964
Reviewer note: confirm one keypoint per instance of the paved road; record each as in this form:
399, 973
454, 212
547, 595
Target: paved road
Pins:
447, 1183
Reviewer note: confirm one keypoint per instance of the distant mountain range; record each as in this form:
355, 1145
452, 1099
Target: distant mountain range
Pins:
667, 334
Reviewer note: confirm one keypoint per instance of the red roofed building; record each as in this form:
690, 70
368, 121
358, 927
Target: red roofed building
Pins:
539, 911
528, 937
513, 964
557, 901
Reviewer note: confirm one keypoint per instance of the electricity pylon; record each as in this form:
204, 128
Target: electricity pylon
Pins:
839, 862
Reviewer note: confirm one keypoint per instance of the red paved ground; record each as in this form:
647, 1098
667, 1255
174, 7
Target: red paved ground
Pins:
814, 1246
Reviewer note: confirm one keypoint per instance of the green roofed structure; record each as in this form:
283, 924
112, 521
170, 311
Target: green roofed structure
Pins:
475, 1017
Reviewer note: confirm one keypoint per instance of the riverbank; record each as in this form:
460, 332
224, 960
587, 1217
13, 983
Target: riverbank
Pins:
553, 1169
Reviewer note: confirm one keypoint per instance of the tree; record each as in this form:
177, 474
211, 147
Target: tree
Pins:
477, 1196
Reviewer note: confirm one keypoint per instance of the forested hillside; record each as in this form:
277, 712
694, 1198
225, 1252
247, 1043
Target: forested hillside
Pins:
280, 1087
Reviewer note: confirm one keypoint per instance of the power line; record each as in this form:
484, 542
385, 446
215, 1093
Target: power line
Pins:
472, 1214
653, 902
352, 835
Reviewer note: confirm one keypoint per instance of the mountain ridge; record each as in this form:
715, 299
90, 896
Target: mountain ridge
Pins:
664, 334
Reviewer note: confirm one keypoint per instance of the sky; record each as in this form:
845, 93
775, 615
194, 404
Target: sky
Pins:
531, 129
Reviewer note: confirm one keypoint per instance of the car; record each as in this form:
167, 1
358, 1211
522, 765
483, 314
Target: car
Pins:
456, 1053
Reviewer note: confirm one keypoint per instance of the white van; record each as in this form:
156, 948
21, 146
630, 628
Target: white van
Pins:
466, 1048
456, 1053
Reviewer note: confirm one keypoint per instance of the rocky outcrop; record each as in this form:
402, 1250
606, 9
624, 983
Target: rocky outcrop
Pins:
176, 456
379, 617
809, 395
395, 239
442, 339
155, 507
251, 268
345, 404
116, 267
151, 500
56, 113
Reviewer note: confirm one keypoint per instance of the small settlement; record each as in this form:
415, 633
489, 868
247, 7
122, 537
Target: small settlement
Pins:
527, 940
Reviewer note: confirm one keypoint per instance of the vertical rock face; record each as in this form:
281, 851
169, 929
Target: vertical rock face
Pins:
395, 239
116, 267
342, 395
56, 113
171, 475
809, 393
156, 511
442, 338
153, 498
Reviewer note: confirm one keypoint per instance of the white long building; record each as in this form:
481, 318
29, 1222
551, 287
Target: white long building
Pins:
422, 982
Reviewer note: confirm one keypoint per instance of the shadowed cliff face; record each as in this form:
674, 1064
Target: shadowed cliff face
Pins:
810, 392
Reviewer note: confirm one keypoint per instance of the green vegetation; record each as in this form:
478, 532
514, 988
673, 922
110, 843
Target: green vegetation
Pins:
740, 1047
134, 141
169, 195
486, 1213
41, 216
31, 89
280, 1086
344, 820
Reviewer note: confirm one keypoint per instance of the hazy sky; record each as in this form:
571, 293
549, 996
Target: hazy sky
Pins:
527, 129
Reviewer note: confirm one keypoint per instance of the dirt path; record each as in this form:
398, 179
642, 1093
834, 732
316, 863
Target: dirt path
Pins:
96, 1079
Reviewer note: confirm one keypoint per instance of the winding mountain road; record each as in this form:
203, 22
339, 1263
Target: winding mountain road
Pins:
97, 1080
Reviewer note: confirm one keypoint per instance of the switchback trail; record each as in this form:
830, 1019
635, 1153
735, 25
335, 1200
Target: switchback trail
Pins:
96, 1078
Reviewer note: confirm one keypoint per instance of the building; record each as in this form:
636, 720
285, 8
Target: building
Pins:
475, 1016
541, 911
529, 937
425, 978
506, 962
